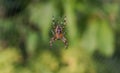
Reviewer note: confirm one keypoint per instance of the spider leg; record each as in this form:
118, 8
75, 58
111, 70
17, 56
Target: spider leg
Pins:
52, 40
64, 32
64, 21
65, 41
53, 20
52, 32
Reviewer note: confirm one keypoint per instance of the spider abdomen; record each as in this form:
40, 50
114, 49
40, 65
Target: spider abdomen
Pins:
59, 36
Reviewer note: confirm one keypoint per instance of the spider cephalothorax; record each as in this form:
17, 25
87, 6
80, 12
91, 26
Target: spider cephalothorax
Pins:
58, 33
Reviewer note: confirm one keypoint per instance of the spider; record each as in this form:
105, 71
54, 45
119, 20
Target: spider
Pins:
58, 33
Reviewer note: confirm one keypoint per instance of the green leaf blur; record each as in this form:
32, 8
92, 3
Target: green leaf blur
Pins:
92, 31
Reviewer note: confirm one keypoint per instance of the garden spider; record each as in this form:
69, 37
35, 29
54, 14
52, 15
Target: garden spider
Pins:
58, 33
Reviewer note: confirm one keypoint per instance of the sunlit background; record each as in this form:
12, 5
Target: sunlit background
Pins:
92, 31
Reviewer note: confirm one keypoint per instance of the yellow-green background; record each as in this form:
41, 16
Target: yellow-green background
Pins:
92, 30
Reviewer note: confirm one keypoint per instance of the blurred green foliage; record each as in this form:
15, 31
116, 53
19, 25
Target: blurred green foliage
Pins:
92, 30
